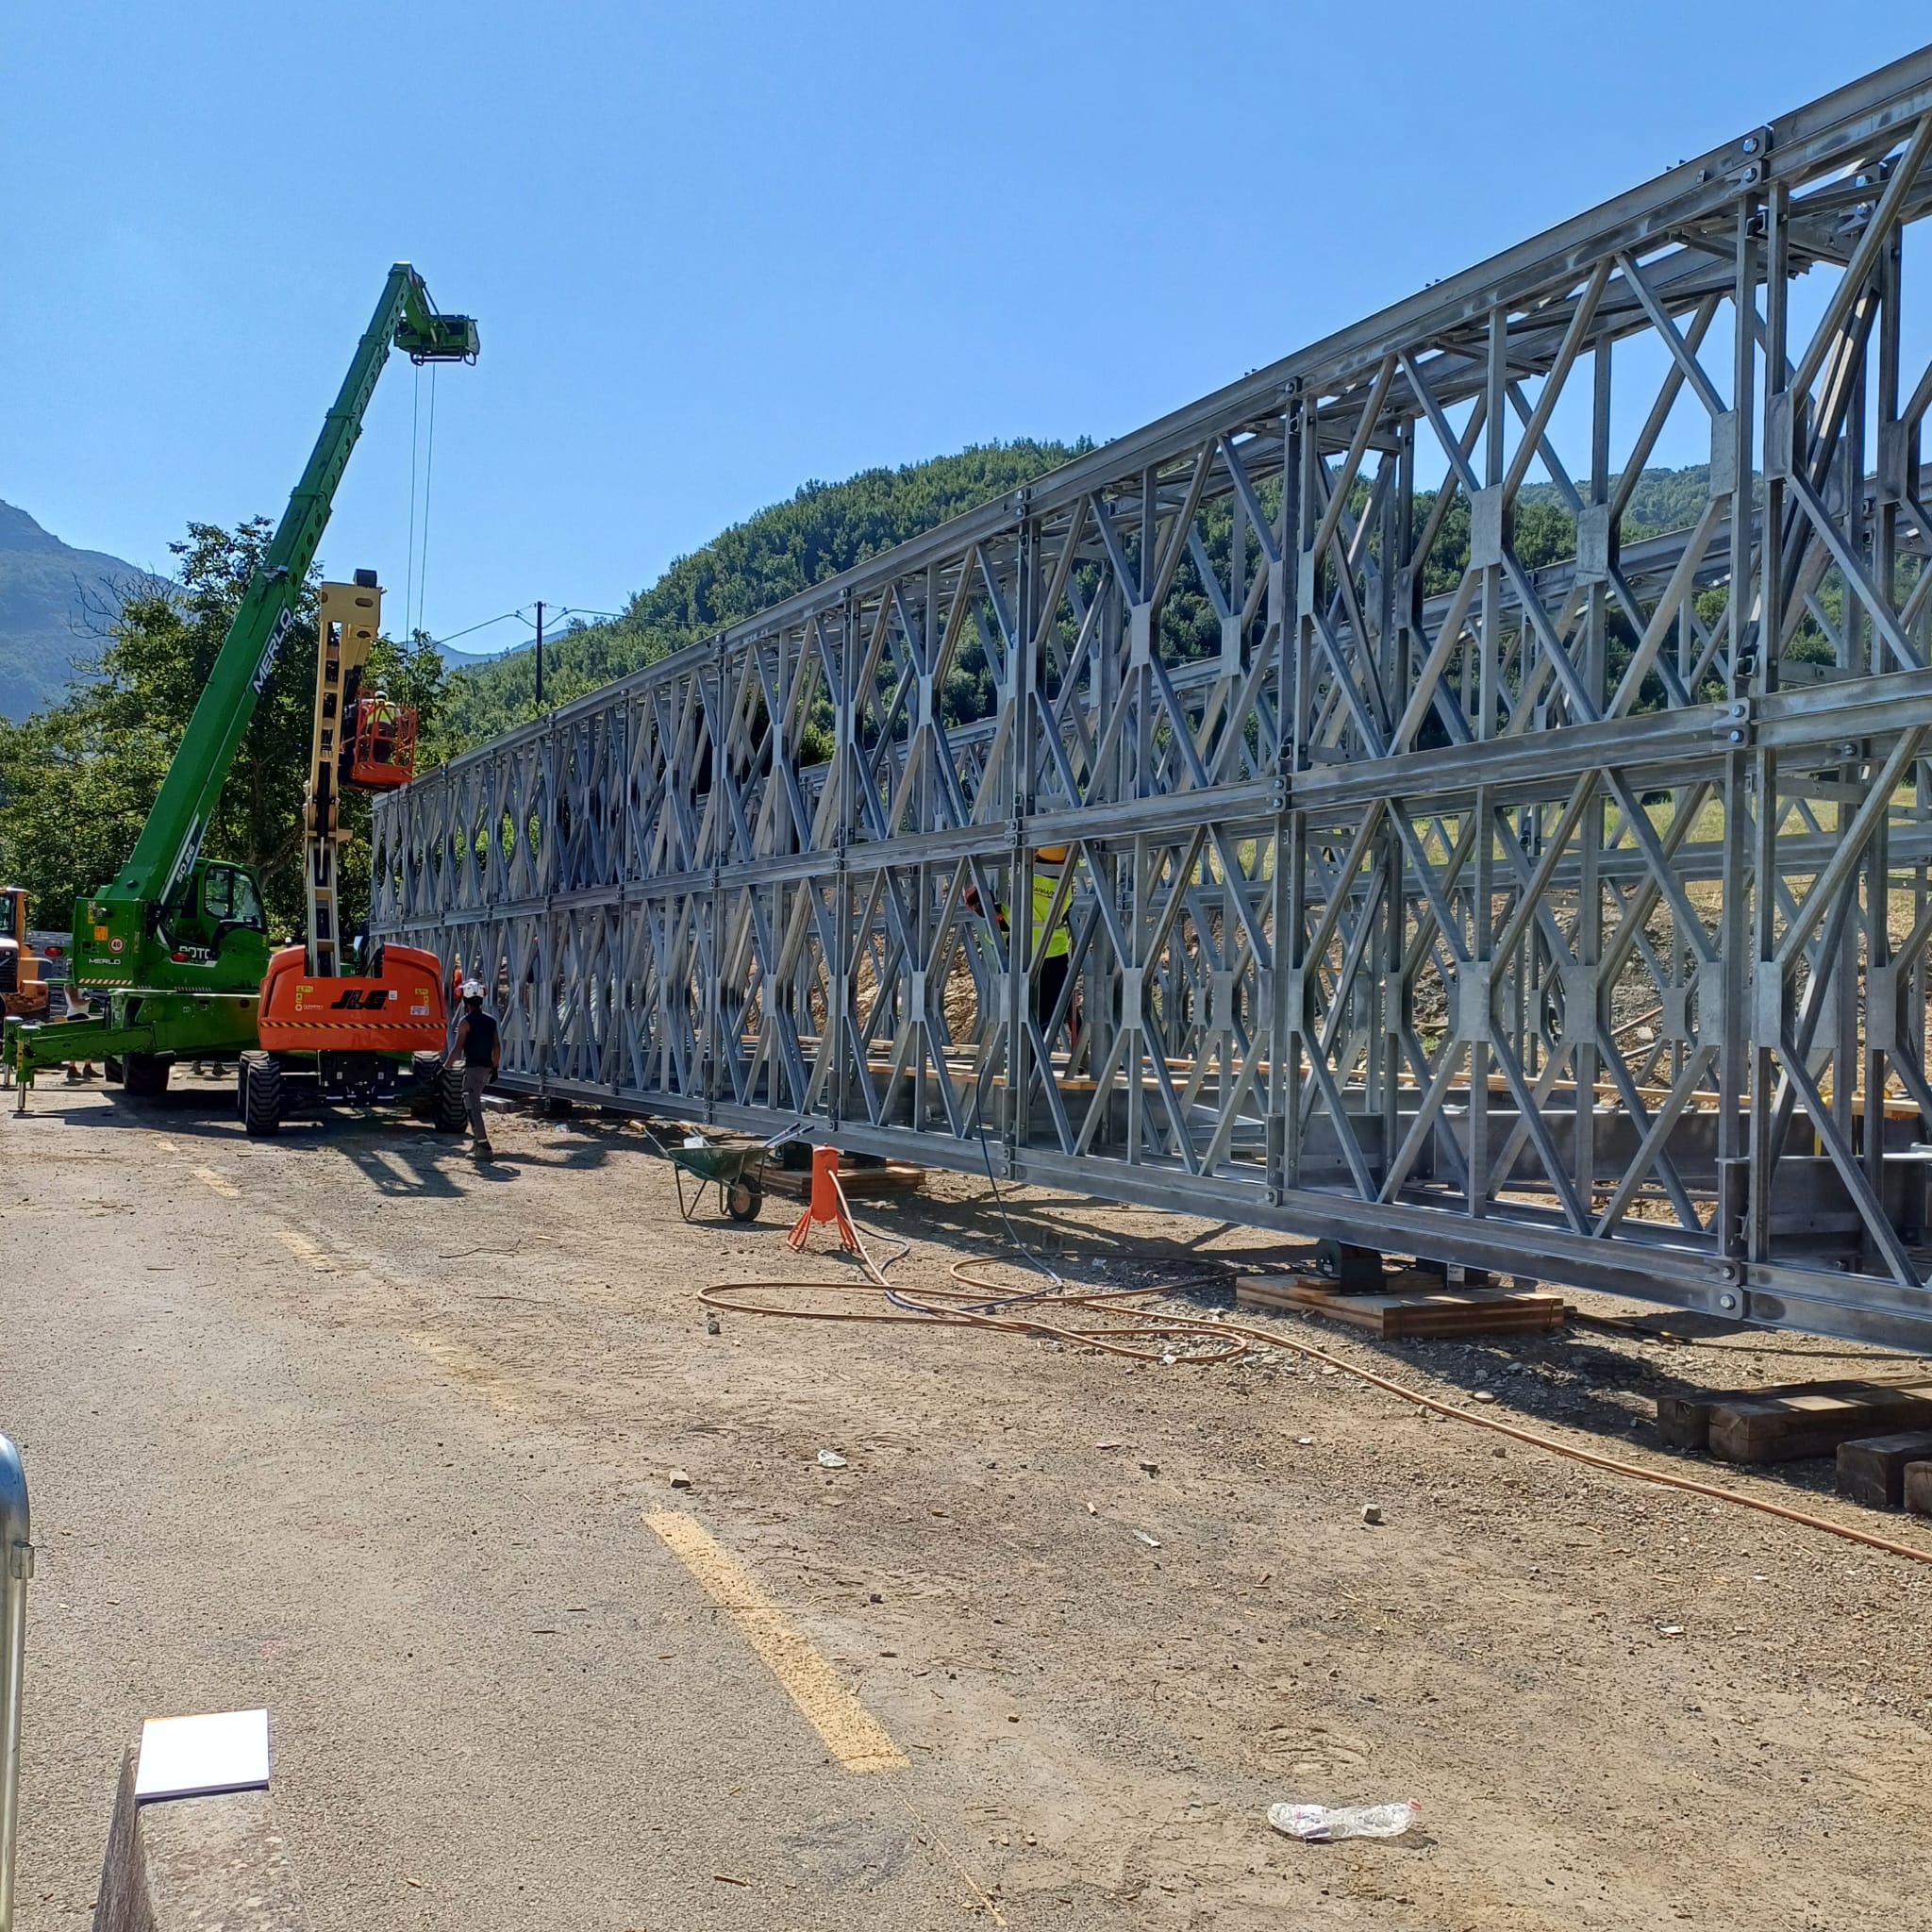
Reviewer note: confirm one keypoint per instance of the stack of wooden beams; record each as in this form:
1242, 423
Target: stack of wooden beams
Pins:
861, 1183
1408, 1314
1792, 1421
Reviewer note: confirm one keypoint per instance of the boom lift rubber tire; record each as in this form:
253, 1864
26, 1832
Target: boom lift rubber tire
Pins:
145, 1075
426, 1080
451, 1115
260, 1086
115, 1069
743, 1200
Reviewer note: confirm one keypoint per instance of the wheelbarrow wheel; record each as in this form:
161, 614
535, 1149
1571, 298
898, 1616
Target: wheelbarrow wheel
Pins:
743, 1200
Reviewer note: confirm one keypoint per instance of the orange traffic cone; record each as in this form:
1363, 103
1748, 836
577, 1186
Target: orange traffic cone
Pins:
825, 1204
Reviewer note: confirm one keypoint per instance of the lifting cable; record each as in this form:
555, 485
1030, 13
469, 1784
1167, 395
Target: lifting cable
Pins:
1116, 1321
429, 476
409, 581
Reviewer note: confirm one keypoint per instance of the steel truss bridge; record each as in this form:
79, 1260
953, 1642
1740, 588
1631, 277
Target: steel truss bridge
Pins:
1457, 868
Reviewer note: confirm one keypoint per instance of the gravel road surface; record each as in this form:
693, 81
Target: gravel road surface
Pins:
345, 1425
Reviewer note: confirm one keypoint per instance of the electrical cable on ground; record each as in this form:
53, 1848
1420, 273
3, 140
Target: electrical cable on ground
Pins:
1215, 1341
1033, 1261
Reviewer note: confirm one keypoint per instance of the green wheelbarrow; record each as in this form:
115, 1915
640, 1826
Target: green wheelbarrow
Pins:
738, 1172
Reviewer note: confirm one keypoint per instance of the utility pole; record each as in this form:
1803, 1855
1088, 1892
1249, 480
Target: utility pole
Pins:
539, 654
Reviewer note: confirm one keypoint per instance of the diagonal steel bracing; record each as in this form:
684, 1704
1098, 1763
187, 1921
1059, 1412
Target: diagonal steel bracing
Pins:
1454, 868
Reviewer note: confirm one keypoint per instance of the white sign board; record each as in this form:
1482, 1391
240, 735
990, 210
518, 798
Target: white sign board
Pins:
194, 1757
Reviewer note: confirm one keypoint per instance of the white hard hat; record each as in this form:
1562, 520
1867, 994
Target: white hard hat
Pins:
473, 988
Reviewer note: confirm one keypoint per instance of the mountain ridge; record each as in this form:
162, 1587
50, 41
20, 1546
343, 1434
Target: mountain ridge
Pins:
56, 602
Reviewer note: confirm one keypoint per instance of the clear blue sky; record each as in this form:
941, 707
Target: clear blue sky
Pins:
717, 250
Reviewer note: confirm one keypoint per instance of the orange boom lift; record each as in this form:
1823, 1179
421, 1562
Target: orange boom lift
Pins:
328, 1035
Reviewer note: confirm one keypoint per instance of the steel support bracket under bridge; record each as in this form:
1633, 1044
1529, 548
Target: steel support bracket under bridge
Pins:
1457, 863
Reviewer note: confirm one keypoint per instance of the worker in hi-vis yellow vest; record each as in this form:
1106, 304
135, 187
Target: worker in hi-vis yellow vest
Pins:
1053, 949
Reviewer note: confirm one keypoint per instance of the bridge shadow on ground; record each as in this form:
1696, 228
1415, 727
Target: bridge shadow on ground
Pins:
1599, 1375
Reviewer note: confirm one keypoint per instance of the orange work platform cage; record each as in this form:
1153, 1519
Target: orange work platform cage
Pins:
380, 749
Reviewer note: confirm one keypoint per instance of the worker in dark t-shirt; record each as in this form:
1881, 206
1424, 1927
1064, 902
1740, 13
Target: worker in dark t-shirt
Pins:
480, 1044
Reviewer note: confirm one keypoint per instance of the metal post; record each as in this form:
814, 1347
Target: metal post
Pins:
539, 654
16, 1567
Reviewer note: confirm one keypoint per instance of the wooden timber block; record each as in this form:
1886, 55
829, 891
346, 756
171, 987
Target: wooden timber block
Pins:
1416, 1315
1683, 1418
1918, 1488
861, 1183
1785, 1428
1872, 1469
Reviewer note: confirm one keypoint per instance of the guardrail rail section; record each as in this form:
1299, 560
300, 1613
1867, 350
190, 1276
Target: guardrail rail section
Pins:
1470, 854
16, 1572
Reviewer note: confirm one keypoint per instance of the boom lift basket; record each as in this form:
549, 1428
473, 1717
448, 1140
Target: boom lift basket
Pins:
381, 745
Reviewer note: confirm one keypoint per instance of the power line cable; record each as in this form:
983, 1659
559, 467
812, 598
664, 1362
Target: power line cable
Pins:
501, 617
504, 616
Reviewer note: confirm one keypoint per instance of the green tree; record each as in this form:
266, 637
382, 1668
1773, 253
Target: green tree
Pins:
77, 781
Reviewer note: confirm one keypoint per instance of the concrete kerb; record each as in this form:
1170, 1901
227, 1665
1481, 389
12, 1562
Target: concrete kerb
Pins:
191, 1864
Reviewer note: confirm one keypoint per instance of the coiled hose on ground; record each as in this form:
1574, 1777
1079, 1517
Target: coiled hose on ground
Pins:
1119, 1321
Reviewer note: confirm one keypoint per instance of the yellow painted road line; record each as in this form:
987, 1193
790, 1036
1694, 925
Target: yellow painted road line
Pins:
854, 1736
208, 1177
300, 1244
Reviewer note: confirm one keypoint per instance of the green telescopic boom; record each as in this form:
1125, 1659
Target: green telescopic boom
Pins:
406, 319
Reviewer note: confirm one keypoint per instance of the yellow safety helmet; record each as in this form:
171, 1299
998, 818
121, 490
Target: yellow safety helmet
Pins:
1053, 855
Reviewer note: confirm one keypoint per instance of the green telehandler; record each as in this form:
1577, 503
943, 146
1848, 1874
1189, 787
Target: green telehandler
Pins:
170, 953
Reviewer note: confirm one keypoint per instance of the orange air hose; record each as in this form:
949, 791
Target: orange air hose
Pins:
950, 1307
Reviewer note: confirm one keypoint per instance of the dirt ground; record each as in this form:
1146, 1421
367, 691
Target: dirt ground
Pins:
1111, 1612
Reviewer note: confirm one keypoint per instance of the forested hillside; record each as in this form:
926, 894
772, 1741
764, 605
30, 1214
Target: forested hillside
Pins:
827, 528
823, 529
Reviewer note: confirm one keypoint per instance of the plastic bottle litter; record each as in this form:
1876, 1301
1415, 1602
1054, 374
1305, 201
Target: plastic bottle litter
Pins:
1323, 1821
830, 1458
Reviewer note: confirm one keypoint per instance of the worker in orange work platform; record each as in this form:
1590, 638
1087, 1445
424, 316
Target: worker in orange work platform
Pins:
382, 733
1053, 950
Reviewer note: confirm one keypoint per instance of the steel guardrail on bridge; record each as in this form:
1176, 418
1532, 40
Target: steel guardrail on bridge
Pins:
16, 1568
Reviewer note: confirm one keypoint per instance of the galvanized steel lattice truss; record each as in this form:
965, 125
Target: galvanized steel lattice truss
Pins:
1557, 908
